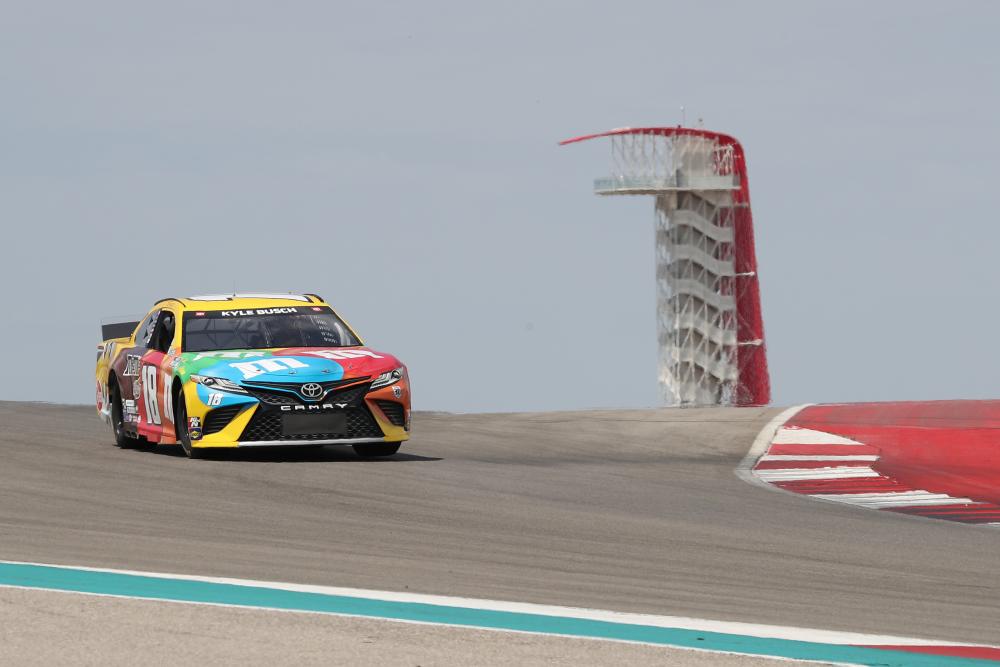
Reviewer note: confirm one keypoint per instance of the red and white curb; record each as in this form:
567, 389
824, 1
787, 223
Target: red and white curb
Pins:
793, 455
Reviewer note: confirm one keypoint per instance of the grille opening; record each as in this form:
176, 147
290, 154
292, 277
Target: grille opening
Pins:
266, 425
287, 393
219, 418
393, 411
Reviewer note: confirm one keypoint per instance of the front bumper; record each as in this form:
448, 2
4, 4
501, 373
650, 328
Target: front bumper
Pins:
375, 416
301, 443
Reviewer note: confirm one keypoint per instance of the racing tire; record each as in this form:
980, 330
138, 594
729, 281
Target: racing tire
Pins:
122, 439
376, 450
183, 437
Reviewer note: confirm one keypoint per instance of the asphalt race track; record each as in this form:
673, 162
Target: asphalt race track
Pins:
636, 511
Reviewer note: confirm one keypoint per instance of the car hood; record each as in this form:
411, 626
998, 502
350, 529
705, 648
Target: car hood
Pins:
301, 364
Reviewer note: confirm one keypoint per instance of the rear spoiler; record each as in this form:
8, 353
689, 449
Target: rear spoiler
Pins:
118, 329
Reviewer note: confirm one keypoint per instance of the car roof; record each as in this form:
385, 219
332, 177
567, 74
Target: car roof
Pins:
243, 301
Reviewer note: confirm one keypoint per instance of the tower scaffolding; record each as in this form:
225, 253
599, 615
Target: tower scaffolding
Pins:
710, 329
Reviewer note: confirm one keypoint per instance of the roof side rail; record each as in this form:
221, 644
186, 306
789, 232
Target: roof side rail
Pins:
170, 298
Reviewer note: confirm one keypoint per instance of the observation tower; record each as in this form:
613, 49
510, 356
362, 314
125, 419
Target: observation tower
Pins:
709, 324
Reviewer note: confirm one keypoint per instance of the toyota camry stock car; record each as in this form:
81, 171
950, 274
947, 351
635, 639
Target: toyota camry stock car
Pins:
245, 370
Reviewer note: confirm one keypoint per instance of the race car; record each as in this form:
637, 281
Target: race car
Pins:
249, 370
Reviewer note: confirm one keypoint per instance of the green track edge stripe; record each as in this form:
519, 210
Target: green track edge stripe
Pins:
181, 590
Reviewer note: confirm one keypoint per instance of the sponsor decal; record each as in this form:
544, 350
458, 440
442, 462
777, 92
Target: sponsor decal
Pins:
397, 391
130, 413
194, 433
338, 355
149, 402
131, 365
194, 422
252, 369
229, 354
136, 387
311, 390
168, 399
315, 407
257, 311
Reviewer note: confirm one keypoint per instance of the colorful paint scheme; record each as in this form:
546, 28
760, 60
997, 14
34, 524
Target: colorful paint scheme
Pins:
246, 370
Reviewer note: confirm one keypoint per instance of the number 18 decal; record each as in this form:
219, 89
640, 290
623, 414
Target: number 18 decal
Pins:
215, 398
149, 396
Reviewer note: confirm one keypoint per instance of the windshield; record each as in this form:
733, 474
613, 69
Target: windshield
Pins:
257, 328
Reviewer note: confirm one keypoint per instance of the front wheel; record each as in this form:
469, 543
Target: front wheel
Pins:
183, 437
375, 450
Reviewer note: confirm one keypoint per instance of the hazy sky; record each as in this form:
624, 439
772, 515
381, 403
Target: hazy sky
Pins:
400, 159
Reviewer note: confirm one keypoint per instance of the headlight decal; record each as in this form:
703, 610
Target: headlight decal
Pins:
218, 384
389, 378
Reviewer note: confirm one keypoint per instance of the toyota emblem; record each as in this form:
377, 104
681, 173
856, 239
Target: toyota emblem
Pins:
311, 390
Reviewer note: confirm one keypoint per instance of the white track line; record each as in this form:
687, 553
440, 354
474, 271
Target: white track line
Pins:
807, 436
679, 622
895, 499
819, 457
799, 474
